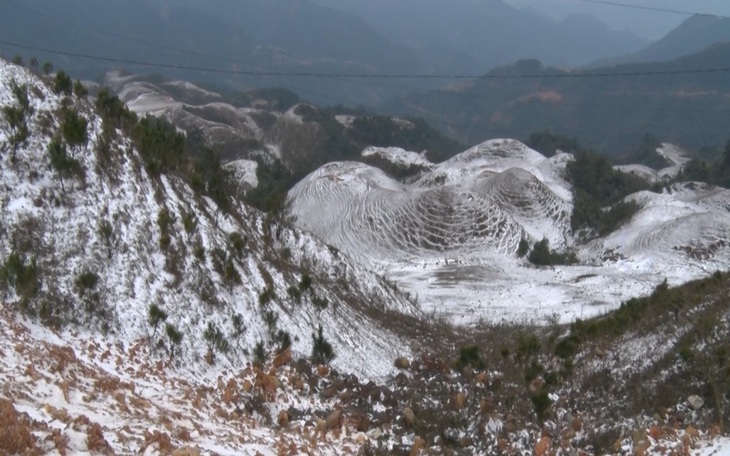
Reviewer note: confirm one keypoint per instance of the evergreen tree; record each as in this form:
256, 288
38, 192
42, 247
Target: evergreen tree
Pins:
155, 316
322, 351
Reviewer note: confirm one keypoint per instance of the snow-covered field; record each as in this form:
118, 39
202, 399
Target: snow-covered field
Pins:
451, 237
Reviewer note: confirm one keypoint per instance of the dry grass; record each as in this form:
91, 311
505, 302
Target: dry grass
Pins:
15, 432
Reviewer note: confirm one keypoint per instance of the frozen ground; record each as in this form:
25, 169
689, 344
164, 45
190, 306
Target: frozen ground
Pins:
451, 237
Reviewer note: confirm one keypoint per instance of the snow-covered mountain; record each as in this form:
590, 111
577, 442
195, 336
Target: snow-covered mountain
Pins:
451, 237
134, 305
143, 240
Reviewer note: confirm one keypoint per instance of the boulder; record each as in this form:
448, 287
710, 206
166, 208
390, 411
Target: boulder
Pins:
696, 402
402, 363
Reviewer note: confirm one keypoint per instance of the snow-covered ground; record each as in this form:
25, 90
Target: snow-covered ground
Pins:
60, 221
451, 237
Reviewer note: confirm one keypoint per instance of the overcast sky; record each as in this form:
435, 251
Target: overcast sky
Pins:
647, 24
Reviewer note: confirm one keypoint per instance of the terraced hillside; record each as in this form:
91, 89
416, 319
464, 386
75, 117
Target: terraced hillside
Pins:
451, 235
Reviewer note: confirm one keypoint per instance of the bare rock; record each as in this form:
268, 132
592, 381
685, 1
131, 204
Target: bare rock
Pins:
283, 419
696, 402
402, 363
282, 358
419, 445
334, 420
409, 418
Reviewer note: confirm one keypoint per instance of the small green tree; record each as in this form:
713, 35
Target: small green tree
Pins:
33, 64
239, 328
62, 85
155, 316
74, 130
18, 60
16, 117
80, 90
215, 338
106, 232
64, 165
174, 336
47, 68
322, 351
259, 354
523, 248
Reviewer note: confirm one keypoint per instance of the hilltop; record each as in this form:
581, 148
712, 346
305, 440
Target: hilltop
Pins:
454, 234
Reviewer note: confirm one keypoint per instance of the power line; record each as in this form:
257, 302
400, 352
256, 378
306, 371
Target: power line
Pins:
654, 8
566, 75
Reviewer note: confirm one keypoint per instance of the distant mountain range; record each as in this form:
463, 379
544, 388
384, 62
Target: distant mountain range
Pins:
693, 35
252, 36
474, 36
282, 36
599, 106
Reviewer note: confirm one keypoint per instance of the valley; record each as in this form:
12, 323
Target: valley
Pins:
321, 228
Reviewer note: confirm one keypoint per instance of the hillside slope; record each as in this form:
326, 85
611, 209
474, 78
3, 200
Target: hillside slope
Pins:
104, 244
452, 236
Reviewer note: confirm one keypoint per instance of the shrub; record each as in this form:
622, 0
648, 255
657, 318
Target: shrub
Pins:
215, 338
64, 165
165, 221
16, 117
527, 347
523, 247
106, 232
155, 316
238, 243
22, 275
319, 303
86, 281
74, 129
542, 255
271, 319
239, 328
80, 90
541, 401
469, 356
306, 283
189, 221
231, 276
322, 351
294, 293
174, 336
283, 339
259, 353
62, 83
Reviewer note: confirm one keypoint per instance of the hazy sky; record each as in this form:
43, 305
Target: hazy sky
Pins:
647, 24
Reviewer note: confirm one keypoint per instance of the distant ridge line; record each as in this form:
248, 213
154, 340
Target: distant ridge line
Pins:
370, 76
654, 8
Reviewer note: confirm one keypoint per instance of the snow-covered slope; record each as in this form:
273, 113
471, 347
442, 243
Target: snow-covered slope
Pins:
451, 237
211, 267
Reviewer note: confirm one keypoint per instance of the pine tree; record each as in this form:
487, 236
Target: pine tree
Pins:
322, 352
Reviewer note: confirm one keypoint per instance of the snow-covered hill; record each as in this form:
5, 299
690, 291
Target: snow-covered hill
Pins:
451, 237
109, 245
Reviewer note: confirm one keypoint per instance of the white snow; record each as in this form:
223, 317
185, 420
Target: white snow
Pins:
450, 238
62, 220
